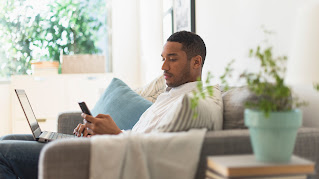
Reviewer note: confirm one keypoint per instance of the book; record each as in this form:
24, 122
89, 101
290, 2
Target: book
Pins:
210, 174
247, 166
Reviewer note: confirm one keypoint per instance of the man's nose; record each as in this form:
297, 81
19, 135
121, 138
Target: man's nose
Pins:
165, 66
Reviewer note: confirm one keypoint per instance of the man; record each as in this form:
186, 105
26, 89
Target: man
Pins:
183, 58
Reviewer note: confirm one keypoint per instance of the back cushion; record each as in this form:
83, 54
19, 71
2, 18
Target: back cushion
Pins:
123, 104
153, 89
180, 116
234, 105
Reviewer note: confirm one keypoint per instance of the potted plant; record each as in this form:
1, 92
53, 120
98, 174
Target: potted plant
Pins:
273, 117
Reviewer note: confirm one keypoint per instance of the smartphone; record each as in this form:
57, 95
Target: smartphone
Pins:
84, 108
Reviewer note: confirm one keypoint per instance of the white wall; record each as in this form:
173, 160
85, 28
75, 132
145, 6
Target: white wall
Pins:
151, 39
310, 112
137, 40
126, 41
231, 27
5, 106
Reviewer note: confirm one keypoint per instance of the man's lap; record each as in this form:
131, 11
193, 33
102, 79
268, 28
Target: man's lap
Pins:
21, 154
26, 137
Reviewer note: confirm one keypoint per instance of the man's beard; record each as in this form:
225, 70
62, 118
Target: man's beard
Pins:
184, 78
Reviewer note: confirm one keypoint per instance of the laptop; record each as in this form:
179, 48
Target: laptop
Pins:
38, 134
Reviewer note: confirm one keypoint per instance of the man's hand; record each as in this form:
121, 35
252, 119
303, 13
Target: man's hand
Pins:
81, 129
101, 124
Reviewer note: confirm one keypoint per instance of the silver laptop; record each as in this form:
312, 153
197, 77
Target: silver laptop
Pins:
38, 135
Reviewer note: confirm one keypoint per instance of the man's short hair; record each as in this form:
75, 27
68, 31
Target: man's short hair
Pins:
192, 43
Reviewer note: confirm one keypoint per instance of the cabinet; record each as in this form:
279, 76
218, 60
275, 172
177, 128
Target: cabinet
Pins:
50, 95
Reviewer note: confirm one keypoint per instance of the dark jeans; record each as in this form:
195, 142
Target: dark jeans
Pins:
19, 156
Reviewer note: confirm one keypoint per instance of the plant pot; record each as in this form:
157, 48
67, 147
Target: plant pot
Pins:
273, 138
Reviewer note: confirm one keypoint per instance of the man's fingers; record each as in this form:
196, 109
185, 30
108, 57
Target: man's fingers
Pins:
88, 118
90, 131
77, 128
85, 133
89, 125
103, 116
80, 130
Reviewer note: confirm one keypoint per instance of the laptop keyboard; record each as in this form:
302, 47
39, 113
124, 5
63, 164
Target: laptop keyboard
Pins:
55, 135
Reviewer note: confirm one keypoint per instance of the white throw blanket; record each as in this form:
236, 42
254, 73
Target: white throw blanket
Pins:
146, 156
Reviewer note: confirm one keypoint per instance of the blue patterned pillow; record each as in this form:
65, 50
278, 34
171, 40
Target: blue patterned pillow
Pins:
123, 104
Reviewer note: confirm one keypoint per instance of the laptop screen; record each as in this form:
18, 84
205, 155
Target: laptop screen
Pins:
27, 109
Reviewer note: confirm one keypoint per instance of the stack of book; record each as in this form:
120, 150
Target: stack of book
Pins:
245, 166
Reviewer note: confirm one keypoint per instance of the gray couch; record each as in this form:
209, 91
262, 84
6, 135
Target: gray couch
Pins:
71, 158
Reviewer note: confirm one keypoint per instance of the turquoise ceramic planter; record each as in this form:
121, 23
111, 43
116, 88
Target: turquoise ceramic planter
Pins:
273, 138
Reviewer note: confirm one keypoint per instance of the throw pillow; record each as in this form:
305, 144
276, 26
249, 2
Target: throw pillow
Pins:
180, 116
234, 105
153, 89
122, 104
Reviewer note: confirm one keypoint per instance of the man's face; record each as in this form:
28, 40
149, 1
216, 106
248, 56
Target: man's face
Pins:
176, 67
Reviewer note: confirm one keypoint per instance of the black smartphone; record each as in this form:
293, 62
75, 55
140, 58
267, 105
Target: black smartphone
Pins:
84, 108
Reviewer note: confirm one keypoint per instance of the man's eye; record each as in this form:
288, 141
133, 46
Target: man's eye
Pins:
172, 60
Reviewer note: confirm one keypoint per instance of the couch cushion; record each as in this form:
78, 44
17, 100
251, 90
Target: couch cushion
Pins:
234, 105
180, 116
122, 104
153, 89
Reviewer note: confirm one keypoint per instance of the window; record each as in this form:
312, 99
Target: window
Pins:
38, 31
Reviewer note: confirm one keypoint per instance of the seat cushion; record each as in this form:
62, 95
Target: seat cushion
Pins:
123, 104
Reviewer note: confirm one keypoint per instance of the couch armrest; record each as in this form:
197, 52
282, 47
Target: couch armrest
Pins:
65, 158
224, 142
307, 146
68, 121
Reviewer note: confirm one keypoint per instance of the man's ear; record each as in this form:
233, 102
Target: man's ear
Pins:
197, 62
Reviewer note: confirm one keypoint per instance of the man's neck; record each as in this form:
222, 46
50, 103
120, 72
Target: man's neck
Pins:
169, 87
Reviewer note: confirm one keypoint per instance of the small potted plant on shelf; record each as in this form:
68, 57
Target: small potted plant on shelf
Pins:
273, 117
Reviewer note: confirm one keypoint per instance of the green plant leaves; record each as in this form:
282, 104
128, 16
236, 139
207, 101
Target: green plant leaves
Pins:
227, 74
208, 91
268, 84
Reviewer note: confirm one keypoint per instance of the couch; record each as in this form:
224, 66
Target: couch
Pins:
71, 159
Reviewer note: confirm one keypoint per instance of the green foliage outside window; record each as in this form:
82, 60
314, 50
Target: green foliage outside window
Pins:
30, 33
